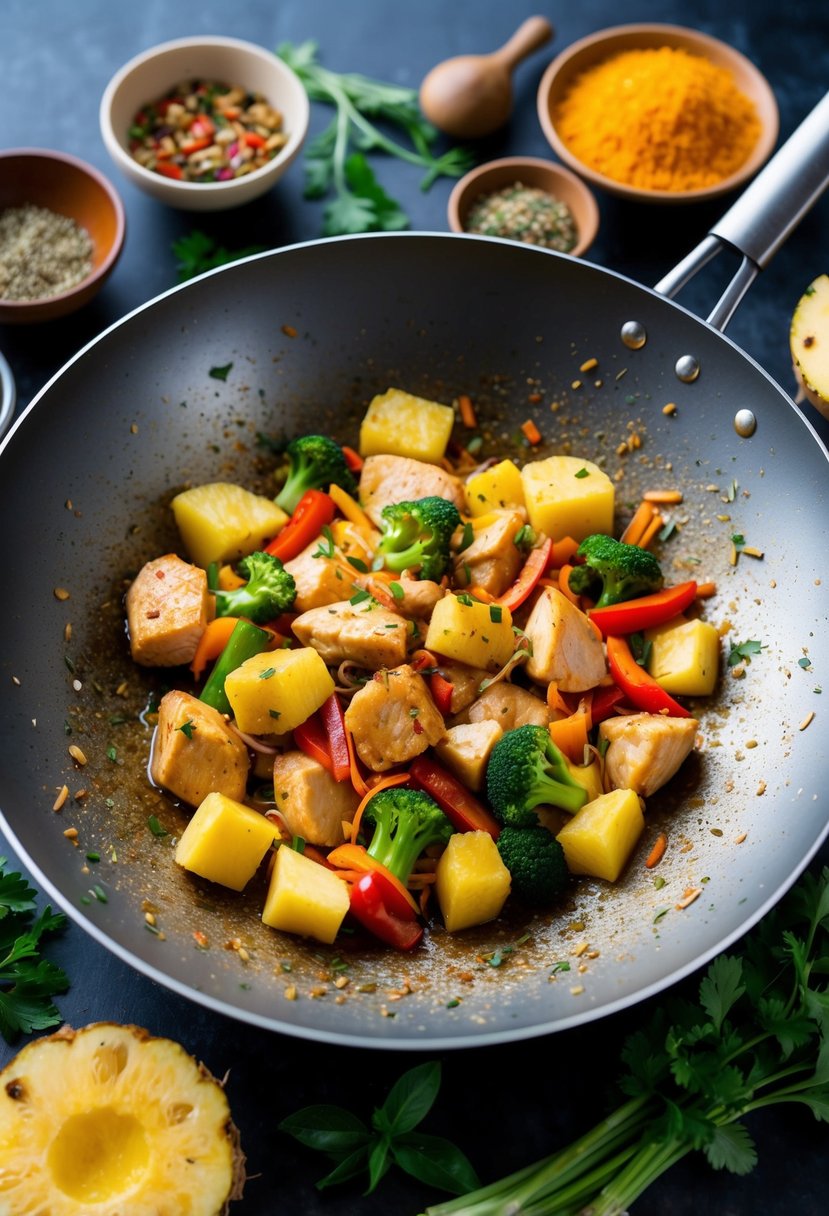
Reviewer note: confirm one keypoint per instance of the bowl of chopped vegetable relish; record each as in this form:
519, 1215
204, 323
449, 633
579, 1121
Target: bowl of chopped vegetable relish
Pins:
61, 233
204, 123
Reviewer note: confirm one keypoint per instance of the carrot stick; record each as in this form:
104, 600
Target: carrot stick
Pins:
657, 852
531, 432
356, 776
564, 585
706, 590
384, 783
467, 412
651, 531
642, 516
212, 642
664, 497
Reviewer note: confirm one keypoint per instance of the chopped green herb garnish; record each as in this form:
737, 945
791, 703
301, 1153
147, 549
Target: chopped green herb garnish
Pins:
396, 590
267, 673
112, 754
359, 597
742, 652
582, 473
358, 564
156, 827
805, 663
220, 373
93, 857
467, 537
274, 713
326, 547
495, 613
298, 844
667, 532
187, 728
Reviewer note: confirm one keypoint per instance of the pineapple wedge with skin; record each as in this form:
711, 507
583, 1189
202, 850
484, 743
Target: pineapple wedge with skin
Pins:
809, 343
108, 1120
221, 522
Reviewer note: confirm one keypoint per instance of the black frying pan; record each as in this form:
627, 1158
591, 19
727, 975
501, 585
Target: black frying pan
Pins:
312, 333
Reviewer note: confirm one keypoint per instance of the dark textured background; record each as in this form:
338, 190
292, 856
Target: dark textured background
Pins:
508, 1105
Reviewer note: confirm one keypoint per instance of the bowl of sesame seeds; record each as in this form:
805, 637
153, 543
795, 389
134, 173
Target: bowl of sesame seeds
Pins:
61, 233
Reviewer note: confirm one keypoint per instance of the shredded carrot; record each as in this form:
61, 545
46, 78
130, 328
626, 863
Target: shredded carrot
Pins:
315, 854
642, 516
564, 550
351, 509
531, 431
381, 593
356, 776
467, 412
353, 857
570, 734
564, 585
229, 580
556, 701
353, 459
421, 659
651, 531
663, 497
212, 642
706, 590
480, 593
384, 783
424, 901
657, 852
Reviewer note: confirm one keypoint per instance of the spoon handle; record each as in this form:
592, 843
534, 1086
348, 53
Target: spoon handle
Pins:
530, 35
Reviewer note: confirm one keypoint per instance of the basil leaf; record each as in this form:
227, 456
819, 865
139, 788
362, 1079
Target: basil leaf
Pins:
436, 1161
331, 1129
411, 1097
379, 1163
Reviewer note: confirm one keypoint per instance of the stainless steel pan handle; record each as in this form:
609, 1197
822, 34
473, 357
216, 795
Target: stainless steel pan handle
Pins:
764, 215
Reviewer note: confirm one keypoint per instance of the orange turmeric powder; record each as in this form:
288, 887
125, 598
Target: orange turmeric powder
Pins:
658, 119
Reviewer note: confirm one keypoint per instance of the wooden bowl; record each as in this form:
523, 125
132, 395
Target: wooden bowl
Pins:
596, 48
530, 171
70, 187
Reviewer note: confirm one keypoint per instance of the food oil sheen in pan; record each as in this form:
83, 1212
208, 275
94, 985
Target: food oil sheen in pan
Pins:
311, 333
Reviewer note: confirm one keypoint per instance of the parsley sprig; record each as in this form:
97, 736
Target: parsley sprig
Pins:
27, 981
354, 1148
335, 160
757, 1036
197, 252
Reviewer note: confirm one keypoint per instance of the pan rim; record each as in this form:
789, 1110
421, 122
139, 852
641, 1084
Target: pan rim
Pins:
408, 1041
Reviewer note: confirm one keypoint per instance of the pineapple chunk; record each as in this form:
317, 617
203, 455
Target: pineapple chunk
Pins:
104, 1119
466, 749
809, 342
568, 496
684, 657
398, 424
225, 841
472, 881
222, 522
305, 897
273, 692
495, 488
600, 837
468, 633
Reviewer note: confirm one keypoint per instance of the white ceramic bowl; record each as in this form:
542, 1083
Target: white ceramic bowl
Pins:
148, 77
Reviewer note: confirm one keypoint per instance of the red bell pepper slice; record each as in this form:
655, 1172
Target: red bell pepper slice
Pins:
527, 581
603, 701
353, 459
196, 145
640, 688
310, 738
169, 170
313, 511
632, 616
378, 908
331, 715
463, 810
441, 690
253, 139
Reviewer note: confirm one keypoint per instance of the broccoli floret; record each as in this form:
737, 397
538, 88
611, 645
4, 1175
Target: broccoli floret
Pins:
405, 823
526, 770
316, 462
417, 534
270, 589
536, 864
616, 570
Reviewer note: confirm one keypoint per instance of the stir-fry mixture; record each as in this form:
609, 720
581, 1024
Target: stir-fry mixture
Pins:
462, 687
203, 131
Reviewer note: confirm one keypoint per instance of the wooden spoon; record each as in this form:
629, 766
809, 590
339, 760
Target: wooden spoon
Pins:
471, 95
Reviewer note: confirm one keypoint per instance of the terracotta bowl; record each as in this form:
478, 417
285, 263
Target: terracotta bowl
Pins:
70, 187
530, 171
596, 48
151, 74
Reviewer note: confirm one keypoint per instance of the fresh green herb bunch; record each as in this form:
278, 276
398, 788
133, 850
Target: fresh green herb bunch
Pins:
27, 981
758, 1036
335, 159
197, 252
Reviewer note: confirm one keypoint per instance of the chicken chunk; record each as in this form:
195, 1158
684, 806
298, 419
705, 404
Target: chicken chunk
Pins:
493, 559
645, 750
195, 753
465, 681
466, 750
369, 635
419, 597
393, 719
566, 648
509, 706
319, 581
313, 805
387, 479
168, 607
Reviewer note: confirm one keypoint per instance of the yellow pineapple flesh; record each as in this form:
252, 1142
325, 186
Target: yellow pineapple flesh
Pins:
109, 1121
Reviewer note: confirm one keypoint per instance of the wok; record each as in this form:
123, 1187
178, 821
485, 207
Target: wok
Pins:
312, 332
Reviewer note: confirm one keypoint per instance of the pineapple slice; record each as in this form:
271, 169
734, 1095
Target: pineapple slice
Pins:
399, 424
222, 522
109, 1119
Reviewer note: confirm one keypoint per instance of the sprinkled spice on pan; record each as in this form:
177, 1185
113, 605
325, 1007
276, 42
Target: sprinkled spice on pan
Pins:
202, 131
524, 213
42, 254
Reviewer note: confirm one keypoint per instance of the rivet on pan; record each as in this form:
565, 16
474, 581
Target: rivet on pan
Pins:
633, 335
745, 423
687, 368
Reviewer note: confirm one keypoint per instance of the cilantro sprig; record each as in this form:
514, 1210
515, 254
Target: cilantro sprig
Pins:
27, 981
757, 1036
335, 161
355, 1148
